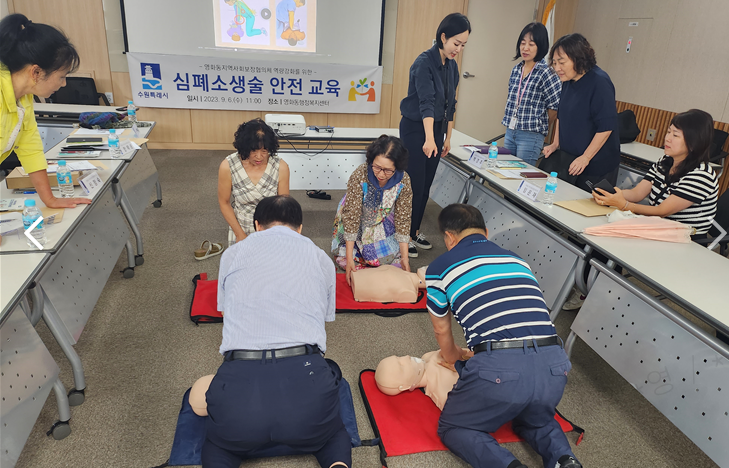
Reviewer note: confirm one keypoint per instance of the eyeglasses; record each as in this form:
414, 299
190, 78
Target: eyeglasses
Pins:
387, 172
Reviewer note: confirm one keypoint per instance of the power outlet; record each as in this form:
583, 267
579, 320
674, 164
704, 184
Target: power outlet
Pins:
651, 134
110, 97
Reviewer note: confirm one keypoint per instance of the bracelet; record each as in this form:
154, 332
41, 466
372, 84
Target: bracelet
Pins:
626, 205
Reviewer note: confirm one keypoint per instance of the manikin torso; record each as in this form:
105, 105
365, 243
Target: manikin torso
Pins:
438, 380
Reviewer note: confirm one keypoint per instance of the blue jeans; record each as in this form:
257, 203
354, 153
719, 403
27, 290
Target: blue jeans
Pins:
519, 385
525, 145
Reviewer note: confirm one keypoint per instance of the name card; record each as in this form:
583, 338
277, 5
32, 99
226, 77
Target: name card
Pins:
91, 183
529, 190
477, 159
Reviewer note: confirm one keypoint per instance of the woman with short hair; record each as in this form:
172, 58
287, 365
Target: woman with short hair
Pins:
372, 226
533, 97
427, 114
587, 119
249, 175
680, 186
34, 60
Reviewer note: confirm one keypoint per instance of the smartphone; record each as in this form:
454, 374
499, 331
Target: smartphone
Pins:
603, 185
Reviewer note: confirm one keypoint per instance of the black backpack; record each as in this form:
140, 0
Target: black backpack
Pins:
628, 129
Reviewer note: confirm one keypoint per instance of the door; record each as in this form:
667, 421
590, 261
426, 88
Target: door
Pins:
495, 25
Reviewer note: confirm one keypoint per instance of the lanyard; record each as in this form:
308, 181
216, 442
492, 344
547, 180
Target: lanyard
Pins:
519, 94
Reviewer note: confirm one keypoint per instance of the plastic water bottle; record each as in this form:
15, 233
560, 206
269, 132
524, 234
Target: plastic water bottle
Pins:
30, 214
65, 181
131, 111
114, 144
493, 155
550, 189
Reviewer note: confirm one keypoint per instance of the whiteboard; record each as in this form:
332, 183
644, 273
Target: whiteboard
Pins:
347, 31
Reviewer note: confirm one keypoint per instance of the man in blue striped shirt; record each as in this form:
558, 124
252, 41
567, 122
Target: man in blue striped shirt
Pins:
274, 388
518, 370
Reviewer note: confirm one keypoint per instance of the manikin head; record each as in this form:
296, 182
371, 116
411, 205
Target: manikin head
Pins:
399, 374
197, 395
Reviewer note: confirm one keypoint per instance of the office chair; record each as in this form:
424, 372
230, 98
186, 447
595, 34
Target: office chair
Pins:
78, 90
716, 154
721, 218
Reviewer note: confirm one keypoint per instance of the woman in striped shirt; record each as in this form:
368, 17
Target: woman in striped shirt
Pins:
681, 186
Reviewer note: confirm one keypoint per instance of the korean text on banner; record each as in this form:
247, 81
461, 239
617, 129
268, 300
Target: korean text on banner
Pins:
189, 82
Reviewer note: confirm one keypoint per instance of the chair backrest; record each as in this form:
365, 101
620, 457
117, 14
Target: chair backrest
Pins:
78, 90
717, 143
722, 214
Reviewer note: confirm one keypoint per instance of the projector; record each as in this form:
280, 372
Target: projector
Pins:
286, 124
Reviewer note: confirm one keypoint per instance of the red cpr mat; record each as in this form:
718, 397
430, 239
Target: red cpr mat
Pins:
346, 302
204, 306
408, 423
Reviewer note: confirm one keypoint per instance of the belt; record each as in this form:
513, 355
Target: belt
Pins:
258, 355
549, 341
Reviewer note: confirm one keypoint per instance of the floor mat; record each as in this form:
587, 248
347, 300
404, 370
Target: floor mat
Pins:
408, 423
346, 302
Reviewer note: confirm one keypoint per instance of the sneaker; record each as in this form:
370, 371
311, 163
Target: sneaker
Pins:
566, 461
412, 251
575, 301
421, 242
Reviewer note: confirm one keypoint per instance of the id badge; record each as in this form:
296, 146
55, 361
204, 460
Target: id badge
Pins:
512, 123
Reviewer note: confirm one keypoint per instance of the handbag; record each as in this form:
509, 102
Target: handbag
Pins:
559, 162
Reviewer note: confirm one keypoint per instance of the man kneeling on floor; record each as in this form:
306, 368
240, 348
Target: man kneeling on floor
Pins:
519, 369
274, 387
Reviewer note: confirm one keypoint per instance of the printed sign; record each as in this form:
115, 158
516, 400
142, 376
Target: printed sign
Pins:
190, 82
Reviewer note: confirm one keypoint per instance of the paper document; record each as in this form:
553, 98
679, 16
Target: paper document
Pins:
506, 173
73, 166
10, 222
585, 207
12, 204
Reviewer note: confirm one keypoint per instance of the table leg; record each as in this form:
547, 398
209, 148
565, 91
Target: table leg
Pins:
65, 341
564, 293
157, 203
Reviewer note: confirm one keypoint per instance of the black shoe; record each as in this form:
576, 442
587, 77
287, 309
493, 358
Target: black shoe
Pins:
421, 242
567, 461
517, 464
412, 251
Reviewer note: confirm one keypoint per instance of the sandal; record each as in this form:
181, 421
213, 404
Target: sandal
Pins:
211, 250
318, 194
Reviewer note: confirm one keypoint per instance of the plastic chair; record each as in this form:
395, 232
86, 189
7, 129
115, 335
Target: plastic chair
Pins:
721, 218
79, 90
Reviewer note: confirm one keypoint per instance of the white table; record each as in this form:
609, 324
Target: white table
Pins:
646, 153
57, 233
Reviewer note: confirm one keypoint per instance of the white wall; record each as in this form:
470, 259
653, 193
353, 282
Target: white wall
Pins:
3, 8
118, 61
679, 59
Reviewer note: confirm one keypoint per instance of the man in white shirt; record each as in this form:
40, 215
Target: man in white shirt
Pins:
277, 289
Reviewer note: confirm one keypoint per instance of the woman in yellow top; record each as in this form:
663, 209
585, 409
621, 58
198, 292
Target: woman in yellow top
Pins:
34, 59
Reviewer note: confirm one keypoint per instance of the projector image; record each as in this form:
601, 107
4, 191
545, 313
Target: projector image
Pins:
286, 124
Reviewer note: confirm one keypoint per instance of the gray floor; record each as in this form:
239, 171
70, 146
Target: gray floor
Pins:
141, 352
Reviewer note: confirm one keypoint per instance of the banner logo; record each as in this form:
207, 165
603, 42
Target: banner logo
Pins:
151, 76
364, 87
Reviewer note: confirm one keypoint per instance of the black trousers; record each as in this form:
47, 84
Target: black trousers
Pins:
255, 405
421, 168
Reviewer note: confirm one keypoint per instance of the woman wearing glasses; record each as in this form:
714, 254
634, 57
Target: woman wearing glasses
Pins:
372, 226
